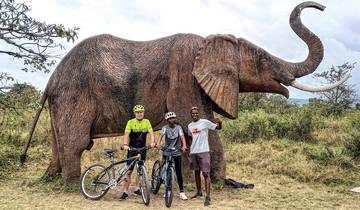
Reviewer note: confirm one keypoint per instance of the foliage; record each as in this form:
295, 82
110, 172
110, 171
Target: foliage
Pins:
251, 101
270, 103
29, 39
343, 96
19, 96
251, 126
16, 117
5, 79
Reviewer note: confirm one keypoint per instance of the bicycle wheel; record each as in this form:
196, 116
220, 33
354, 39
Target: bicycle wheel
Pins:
156, 177
169, 187
94, 182
144, 185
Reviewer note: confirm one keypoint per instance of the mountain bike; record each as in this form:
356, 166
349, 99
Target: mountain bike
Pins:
96, 180
163, 172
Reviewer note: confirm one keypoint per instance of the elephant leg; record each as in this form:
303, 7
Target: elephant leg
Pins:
75, 141
54, 168
218, 164
187, 172
71, 165
72, 143
73, 129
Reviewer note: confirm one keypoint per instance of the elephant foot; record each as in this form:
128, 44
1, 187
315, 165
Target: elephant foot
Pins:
52, 172
72, 183
50, 177
217, 177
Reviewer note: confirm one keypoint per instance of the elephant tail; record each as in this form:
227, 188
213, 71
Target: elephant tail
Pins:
23, 155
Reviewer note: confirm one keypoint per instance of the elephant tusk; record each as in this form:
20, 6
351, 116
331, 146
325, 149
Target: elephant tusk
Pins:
298, 85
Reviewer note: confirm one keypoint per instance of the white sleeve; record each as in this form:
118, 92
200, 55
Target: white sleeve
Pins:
181, 133
189, 131
163, 130
210, 125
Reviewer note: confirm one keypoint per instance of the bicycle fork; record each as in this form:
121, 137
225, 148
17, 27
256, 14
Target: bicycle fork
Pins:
166, 180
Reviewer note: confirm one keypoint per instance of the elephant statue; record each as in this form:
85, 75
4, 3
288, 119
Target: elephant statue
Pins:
94, 87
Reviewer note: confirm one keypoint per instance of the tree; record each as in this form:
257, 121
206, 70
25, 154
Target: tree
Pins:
21, 96
344, 95
18, 95
5, 79
251, 101
270, 103
29, 39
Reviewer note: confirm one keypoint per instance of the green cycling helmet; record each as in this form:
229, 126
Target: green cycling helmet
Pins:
138, 108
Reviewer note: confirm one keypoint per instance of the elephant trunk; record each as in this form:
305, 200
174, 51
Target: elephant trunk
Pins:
316, 50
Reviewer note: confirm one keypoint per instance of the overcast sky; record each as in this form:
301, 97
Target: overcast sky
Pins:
265, 23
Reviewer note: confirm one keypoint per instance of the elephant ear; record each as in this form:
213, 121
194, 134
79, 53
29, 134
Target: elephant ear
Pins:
215, 69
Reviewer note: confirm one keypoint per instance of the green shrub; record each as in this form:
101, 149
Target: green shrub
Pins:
352, 128
299, 125
8, 156
250, 126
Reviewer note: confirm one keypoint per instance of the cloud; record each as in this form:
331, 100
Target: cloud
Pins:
265, 23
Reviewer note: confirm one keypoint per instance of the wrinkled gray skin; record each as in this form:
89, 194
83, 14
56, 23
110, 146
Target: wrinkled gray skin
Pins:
93, 89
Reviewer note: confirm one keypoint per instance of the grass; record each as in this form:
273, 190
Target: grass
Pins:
284, 175
315, 171
297, 157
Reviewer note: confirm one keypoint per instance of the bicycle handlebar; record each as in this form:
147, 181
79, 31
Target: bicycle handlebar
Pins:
172, 149
137, 149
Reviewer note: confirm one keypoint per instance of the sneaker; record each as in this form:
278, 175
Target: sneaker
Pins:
183, 196
197, 194
207, 201
137, 192
124, 196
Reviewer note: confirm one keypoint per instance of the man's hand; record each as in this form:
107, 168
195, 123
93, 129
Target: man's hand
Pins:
218, 122
183, 149
125, 147
157, 147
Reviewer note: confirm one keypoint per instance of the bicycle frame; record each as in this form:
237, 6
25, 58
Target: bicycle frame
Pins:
135, 160
168, 162
98, 179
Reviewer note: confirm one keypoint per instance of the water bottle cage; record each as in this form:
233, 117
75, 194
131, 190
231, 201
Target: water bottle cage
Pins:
122, 171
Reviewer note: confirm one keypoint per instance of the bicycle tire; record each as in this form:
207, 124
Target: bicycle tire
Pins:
85, 188
169, 187
156, 177
144, 185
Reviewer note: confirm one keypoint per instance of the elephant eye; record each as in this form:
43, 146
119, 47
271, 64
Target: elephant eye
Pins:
263, 60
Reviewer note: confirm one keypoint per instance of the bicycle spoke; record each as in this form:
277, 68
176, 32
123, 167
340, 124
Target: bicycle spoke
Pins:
94, 182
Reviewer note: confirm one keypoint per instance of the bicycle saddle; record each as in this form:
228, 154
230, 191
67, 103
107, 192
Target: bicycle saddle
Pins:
109, 152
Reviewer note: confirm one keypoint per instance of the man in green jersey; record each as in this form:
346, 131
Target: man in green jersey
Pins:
136, 130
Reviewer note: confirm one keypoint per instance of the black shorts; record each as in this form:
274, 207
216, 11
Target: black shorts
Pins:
132, 153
